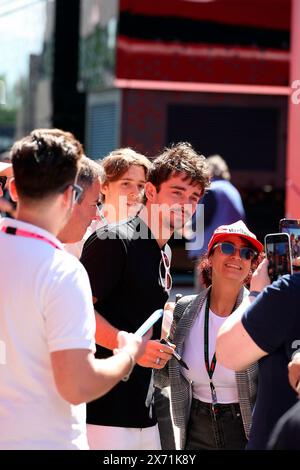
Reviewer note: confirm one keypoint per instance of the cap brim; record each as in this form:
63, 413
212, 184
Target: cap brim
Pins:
222, 236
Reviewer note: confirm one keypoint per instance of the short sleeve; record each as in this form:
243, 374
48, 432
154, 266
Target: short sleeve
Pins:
69, 313
269, 317
104, 260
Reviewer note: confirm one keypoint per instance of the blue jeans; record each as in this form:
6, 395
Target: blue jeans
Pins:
223, 431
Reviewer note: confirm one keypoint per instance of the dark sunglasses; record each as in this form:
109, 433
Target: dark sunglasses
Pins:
77, 191
229, 249
3, 180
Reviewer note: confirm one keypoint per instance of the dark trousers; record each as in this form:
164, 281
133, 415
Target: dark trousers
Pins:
223, 431
162, 411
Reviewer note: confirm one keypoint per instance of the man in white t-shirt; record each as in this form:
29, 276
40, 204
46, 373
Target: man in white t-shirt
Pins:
47, 365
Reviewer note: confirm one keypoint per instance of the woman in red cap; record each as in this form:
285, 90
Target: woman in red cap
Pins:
212, 405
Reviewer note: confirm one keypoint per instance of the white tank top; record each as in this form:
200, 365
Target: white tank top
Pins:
193, 354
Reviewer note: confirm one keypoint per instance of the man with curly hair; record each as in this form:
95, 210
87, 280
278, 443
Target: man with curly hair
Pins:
128, 266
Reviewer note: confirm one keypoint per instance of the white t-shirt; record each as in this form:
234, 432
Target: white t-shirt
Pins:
193, 354
45, 306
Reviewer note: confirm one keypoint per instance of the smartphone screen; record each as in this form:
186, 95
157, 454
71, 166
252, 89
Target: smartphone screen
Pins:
292, 227
149, 322
278, 251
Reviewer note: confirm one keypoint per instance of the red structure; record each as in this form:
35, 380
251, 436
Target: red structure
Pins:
221, 41
293, 160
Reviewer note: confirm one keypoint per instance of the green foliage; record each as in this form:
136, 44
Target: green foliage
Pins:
97, 59
7, 116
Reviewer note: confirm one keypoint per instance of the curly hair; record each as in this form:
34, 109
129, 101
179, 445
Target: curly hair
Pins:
204, 270
180, 158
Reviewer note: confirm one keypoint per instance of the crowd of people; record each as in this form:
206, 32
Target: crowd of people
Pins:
85, 248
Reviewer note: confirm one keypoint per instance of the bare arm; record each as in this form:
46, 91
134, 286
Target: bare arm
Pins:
79, 377
235, 348
294, 372
106, 335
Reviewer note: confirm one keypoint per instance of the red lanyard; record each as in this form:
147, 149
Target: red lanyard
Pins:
24, 233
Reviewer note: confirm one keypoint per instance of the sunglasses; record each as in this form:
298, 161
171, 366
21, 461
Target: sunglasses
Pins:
3, 180
164, 272
77, 192
229, 249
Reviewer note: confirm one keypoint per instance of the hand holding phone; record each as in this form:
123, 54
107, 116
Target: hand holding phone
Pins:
278, 252
149, 322
292, 227
260, 278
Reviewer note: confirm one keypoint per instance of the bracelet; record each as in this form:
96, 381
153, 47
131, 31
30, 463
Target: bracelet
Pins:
132, 363
254, 293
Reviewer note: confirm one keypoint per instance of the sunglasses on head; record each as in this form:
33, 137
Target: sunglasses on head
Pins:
229, 249
3, 180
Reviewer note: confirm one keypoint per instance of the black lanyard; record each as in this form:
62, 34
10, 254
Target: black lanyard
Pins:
209, 367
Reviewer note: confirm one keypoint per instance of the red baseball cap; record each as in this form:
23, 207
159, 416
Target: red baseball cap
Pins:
240, 230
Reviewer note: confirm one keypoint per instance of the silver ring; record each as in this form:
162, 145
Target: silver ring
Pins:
157, 361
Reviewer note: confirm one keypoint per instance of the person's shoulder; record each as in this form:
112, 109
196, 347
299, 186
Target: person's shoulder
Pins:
102, 235
67, 259
131, 230
112, 239
224, 186
186, 301
294, 280
286, 434
64, 265
286, 283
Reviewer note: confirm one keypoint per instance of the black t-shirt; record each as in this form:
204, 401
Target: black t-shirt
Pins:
273, 322
286, 435
122, 262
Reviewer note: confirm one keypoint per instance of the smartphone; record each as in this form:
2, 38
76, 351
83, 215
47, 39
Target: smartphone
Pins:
149, 322
278, 252
292, 227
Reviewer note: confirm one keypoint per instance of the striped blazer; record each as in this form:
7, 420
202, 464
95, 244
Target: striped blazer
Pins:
185, 313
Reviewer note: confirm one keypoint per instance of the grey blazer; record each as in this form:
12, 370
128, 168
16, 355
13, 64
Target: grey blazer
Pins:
185, 313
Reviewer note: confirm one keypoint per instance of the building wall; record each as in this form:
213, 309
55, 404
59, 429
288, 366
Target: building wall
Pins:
254, 149
145, 125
